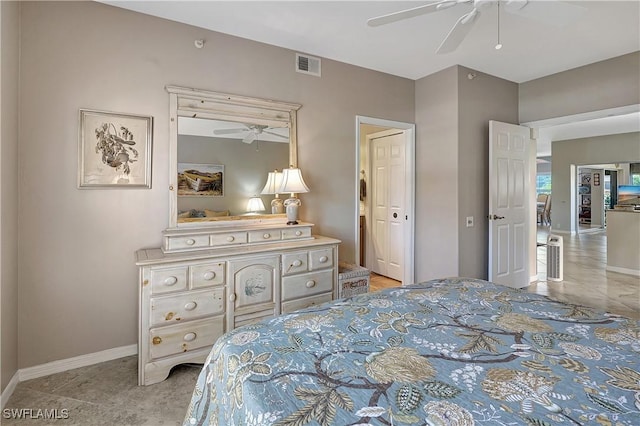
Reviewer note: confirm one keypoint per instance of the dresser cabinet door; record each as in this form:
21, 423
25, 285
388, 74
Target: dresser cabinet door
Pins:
255, 285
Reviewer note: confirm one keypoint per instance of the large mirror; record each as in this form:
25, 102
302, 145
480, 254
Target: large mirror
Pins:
222, 148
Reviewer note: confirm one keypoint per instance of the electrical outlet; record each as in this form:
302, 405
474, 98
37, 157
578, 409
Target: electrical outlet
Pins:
469, 221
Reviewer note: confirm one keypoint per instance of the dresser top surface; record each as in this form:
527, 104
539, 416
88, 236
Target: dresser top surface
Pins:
153, 256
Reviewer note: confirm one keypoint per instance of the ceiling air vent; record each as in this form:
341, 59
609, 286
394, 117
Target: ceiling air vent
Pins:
308, 64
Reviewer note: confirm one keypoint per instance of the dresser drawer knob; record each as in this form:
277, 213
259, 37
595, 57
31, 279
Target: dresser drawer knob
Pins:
209, 275
157, 340
323, 259
232, 297
311, 283
298, 233
297, 263
190, 306
169, 281
230, 238
266, 236
190, 242
189, 337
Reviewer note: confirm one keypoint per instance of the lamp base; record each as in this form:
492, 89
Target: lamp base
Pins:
277, 206
291, 205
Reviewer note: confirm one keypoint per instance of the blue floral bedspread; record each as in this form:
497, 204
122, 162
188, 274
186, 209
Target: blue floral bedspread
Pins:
445, 352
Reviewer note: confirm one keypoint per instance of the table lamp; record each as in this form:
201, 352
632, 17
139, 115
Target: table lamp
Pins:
255, 205
292, 183
274, 181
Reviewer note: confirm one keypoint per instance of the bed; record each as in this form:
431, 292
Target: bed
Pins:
444, 352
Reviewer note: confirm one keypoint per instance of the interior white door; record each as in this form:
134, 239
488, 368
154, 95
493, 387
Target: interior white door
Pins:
509, 205
387, 154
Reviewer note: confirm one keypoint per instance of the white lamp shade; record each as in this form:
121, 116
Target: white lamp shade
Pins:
292, 182
274, 181
255, 204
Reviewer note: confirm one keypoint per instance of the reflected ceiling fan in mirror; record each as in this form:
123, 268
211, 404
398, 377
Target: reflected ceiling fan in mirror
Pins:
552, 12
252, 132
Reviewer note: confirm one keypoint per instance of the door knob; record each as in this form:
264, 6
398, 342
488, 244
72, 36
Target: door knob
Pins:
495, 217
395, 215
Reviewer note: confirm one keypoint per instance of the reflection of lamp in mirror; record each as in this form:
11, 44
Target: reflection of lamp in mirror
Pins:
292, 183
274, 181
255, 205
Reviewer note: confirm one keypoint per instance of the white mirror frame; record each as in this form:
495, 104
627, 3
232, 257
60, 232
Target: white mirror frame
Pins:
196, 103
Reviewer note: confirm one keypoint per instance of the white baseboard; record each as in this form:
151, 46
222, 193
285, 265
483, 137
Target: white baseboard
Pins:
8, 391
559, 231
627, 271
76, 362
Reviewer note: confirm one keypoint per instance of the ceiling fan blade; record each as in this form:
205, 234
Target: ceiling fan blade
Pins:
251, 136
556, 13
228, 131
414, 11
458, 32
275, 134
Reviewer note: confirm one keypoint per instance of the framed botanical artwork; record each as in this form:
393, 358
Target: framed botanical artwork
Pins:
114, 150
200, 180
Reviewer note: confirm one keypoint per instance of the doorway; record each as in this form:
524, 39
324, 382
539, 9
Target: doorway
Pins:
404, 190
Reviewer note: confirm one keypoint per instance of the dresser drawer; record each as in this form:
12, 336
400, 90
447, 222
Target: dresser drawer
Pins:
170, 309
228, 238
206, 274
320, 259
305, 302
185, 337
165, 280
184, 243
294, 263
265, 235
303, 285
291, 234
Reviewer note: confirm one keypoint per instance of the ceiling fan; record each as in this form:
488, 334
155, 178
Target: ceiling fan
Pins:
253, 131
552, 12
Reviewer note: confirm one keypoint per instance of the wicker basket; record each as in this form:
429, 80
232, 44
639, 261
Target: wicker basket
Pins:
352, 279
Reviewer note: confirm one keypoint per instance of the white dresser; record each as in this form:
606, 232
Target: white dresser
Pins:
189, 298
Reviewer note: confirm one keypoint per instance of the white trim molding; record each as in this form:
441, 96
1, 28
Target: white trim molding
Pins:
76, 362
626, 271
64, 365
8, 391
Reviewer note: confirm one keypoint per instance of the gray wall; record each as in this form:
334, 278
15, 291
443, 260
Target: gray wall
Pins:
602, 85
246, 167
78, 290
586, 151
9, 31
481, 99
452, 168
436, 240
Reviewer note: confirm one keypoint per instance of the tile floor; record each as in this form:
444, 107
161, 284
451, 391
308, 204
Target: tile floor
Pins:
107, 393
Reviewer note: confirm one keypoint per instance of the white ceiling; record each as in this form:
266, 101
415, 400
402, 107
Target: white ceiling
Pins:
338, 30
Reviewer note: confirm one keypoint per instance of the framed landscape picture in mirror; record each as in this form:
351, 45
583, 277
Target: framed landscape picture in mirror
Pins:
114, 150
200, 180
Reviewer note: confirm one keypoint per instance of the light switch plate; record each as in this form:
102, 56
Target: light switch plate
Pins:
469, 221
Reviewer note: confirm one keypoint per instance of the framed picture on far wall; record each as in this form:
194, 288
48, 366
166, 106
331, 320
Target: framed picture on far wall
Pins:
200, 180
114, 150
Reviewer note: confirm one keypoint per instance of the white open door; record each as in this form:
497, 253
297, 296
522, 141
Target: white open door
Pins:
509, 204
387, 155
